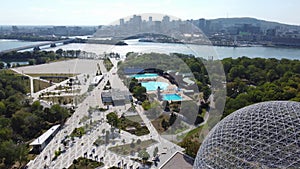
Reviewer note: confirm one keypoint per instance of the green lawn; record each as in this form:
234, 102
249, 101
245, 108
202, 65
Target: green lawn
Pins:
59, 99
85, 163
127, 149
157, 123
140, 130
39, 85
54, 77
135, 118
178, 129
78, 132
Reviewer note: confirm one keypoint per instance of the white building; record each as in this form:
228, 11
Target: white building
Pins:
40, 143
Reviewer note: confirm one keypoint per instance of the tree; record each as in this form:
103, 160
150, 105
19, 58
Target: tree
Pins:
164, 124
57, 114
31, 61
166, 106
8, 152
138, 141
36, 106
140, 93
2, 108
8, 65
1, 65
134, 82
112, 119
146, 105
2, 95
206, 92
59, 52
172, 119
144, 155
21, 154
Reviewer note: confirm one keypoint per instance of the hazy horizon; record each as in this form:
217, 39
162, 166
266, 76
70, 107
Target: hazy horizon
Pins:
95, 12
140, 14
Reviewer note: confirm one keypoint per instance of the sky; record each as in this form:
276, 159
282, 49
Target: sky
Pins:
103, 12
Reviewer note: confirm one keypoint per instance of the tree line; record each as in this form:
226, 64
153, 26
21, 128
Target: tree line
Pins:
256, 80
38, 57
20, 121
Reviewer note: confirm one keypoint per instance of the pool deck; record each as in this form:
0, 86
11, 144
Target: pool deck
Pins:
171, 89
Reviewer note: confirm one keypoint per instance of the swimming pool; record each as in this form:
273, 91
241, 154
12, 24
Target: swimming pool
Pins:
172, 97
144, 76
151, 86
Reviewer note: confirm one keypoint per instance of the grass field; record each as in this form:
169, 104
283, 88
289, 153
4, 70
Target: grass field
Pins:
135, 118
127, 149
39, 85
157, 123
54, 77
140, 130
85, 163
60, 100
191, 134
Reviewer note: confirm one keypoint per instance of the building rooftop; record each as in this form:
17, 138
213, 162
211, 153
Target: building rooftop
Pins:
188, 81
178, 160
40, 140
117, 94
106, 94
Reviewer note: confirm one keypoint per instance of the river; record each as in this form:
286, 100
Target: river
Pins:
198, 50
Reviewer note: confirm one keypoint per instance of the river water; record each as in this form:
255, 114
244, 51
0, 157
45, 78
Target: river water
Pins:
198, 50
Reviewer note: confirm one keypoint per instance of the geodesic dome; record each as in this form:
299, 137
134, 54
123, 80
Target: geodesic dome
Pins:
263, 135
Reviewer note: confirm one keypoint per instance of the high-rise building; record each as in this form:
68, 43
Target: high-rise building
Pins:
122, 22
202, 24
166, 19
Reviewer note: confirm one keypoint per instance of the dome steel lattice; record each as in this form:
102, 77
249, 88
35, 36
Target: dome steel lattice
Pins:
263, 135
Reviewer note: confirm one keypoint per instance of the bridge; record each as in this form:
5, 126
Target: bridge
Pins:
37, 46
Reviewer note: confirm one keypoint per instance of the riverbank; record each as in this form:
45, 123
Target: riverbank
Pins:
205, 51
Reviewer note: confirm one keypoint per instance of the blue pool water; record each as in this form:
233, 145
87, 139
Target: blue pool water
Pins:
150, 86
172, 97
145, 76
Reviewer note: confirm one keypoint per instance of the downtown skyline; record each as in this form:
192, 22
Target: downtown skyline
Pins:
95, 12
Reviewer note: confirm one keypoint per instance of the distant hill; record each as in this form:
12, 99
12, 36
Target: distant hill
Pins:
227, 22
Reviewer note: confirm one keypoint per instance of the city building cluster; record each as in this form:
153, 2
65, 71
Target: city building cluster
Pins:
248, 31
220, 32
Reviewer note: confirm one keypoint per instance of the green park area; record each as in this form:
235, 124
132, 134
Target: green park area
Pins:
39, 85
133, 147
85, 163
126, 124
108, 64
53, 77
